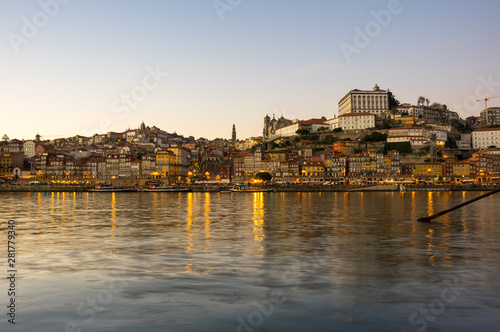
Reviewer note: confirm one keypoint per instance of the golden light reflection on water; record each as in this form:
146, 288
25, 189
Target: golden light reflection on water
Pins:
206, 214
431, 257
189, 230
430, 203
113, 220
258, 220
154, 205
39, 207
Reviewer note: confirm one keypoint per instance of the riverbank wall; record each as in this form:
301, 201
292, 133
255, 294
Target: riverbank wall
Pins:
290, 188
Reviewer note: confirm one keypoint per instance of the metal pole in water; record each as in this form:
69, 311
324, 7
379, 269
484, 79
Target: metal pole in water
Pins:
429, 218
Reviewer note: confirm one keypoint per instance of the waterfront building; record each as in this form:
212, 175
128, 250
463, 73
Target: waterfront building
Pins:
392, 163
422, 169
119, 166
362, 164
481, 164
9, 161
239, 165
135, 169
148, 167
249, 168
374, 101
165, 162
335, 164
213, 164
181, 161
313, 169
458, 169
484, 138
94, 168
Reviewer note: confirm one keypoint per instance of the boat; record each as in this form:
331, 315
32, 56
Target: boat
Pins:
112, 189
250, 189
167, 189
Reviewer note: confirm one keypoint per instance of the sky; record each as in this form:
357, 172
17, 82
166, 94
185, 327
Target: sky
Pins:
195, 67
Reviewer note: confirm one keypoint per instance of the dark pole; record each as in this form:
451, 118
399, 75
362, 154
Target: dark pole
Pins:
429, 218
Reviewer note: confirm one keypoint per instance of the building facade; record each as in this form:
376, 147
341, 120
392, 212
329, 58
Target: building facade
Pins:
485, 137
374, 101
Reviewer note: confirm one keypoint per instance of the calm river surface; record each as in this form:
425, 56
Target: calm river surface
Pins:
251, 262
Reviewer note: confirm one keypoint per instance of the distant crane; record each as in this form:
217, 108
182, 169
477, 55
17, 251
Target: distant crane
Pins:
486, 101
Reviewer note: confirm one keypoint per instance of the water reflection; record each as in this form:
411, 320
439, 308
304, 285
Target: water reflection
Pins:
346, 253
206, 214
258, 220
189, 230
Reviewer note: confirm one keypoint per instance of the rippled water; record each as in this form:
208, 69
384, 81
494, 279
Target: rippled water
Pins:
252, 262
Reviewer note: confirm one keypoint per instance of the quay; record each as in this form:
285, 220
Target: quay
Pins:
282, 188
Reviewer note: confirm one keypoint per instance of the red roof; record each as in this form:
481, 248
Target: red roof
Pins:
487, 129
313, 121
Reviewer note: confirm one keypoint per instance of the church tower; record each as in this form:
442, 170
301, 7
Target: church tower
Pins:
267, 123
233, 136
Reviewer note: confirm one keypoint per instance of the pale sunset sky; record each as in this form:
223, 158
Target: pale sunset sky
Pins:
195, 67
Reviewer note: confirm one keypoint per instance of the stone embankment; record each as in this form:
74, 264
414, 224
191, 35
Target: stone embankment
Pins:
289, 188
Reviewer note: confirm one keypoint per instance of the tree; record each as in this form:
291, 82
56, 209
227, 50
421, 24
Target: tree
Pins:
385, 125
264, 176
393, 102
302, 131
374, 137
421, 100
337, 130
401, 147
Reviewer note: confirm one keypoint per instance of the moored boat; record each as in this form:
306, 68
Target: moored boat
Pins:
244, 188
112, 189
167, 189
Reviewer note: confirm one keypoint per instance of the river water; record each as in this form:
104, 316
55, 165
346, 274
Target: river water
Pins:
251, 262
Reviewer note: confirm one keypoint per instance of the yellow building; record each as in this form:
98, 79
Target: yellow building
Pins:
180, 166
165, 161
313, 168
457, 169
9, 161
407, 119
6, 162
427, 169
